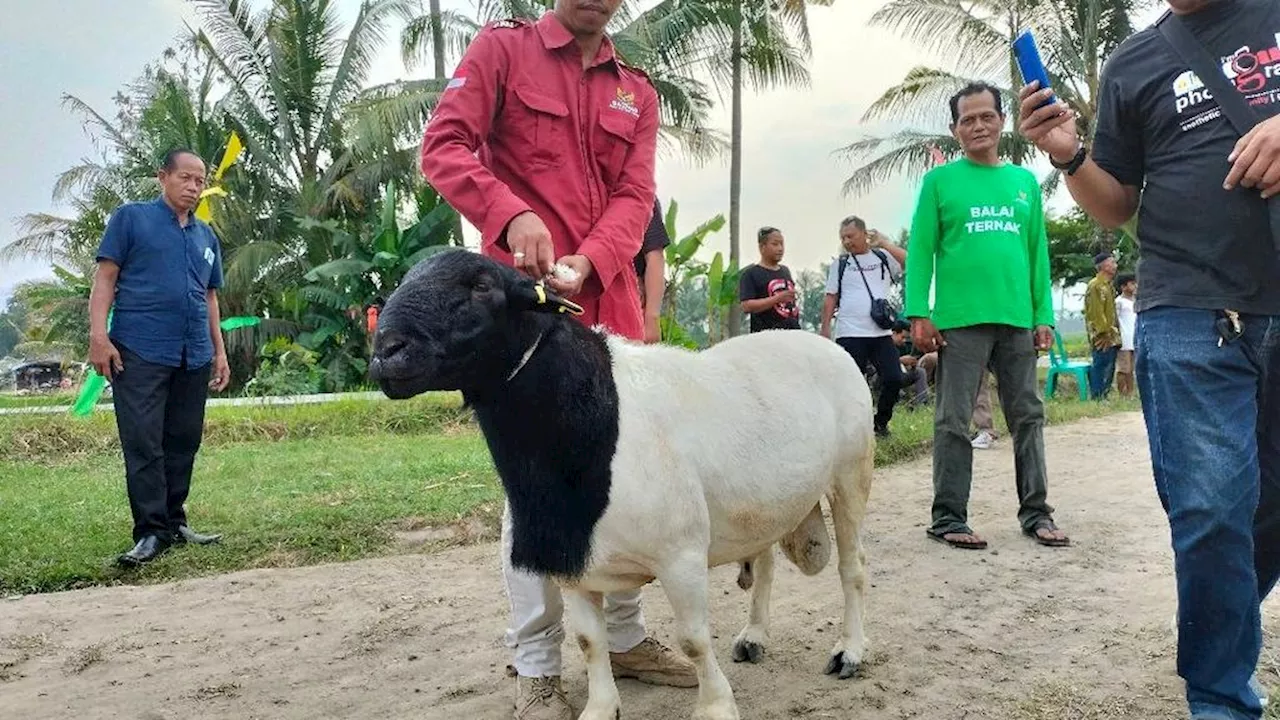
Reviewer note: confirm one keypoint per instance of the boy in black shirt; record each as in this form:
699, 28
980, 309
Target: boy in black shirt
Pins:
766, 289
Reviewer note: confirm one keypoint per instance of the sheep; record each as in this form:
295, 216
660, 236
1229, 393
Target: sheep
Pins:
624, 463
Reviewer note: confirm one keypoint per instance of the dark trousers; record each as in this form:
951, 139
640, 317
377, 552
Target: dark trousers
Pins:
1103, 371
160, 417
1010, 353
882, 354
1213, 423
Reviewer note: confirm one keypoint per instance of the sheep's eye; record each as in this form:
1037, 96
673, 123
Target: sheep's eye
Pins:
482, 284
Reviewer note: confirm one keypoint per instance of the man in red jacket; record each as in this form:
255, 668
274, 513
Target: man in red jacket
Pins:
545, 141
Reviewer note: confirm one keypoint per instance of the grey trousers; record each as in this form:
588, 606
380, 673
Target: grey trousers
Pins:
1010, 353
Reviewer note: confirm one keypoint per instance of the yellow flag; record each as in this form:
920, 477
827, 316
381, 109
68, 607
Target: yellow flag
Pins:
234, 148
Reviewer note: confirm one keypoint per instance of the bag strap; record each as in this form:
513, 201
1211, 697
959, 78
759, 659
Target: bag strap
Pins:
864, 277
884, 261
1229, 100
844, 263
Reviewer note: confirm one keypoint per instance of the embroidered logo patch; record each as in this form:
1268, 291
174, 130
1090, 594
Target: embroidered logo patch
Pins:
208, 255
456, 83
625, 102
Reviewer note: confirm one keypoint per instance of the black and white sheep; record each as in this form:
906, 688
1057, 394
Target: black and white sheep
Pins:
624, 463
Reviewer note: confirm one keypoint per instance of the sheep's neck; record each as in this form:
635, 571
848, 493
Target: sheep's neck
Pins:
524, 359
553, 432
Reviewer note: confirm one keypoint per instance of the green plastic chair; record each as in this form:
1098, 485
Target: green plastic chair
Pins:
1059, 364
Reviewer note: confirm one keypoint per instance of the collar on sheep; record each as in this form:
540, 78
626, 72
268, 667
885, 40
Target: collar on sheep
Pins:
525, 358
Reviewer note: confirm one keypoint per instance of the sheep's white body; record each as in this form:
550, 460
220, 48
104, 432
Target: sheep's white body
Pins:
721, 454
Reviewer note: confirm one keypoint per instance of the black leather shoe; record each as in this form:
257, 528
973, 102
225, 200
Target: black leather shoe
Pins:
185, 534
148, 548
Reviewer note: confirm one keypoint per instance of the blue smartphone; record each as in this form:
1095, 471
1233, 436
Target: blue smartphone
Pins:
1030, 64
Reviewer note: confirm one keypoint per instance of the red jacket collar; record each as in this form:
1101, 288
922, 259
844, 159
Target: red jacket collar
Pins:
556, 36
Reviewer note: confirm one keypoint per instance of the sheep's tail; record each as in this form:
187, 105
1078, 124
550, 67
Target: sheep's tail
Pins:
809, 545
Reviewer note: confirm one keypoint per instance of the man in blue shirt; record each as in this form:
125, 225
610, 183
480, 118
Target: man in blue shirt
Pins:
161, 268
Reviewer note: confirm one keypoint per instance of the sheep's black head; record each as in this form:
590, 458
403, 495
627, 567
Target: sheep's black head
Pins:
454, 323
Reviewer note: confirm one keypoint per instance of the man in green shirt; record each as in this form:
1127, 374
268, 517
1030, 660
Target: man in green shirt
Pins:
978, 239
1101, 323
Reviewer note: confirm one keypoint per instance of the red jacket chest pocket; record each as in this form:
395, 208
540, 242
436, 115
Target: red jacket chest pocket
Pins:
615, 135
537, 126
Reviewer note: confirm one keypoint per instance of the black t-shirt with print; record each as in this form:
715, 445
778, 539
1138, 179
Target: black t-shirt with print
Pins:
1159, 128
758, 282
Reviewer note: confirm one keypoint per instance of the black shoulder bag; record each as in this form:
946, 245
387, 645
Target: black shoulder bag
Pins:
1229, 100
883, 313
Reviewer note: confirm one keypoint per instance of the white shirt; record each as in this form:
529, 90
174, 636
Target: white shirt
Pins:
1128, 321
854, 319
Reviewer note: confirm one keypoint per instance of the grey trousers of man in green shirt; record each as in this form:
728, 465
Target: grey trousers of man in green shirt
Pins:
1010, 353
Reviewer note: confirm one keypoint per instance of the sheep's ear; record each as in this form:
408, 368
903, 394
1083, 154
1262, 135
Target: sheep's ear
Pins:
538, 297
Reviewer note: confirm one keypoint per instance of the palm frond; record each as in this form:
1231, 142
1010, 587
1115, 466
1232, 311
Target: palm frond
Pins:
41, 236
121, 142
416, 48
951, 28
921, 96
700, 145
910, 154
367, 35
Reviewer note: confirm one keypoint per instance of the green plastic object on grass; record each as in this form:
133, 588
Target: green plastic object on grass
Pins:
94, 383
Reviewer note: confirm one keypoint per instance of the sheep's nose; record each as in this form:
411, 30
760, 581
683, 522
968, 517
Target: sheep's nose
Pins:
389, 344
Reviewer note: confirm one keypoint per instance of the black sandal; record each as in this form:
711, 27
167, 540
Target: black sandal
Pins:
1045, 523
961, 544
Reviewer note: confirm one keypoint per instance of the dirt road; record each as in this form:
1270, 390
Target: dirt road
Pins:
1018, 631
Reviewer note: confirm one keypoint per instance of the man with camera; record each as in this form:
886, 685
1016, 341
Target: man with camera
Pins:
857, 291
1188, 137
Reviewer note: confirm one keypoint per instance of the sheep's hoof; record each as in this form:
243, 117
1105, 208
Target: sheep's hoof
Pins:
842, 663
745, 650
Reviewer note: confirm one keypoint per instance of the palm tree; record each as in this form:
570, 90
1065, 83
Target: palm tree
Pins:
1075, 37
319, 143
645, 40
167, 106
768, 43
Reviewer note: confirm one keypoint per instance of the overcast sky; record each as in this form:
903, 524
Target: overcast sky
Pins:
791, 174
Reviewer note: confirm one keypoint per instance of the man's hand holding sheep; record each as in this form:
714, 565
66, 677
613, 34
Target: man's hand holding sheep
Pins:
530, 243
569, 275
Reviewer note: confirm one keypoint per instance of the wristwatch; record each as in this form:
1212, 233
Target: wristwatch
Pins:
1071, 166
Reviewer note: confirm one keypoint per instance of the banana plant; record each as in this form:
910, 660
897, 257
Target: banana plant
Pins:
371, 265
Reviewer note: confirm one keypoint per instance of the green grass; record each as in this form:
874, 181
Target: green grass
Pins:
10, 400
288, 503
287, 485
62, 438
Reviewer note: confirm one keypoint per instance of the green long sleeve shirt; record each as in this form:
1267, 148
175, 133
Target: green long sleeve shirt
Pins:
1100, 311
978, 231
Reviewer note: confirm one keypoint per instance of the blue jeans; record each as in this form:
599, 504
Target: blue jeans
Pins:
1213, 422
1103, 371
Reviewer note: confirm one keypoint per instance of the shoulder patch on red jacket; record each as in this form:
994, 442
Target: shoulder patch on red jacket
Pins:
510, 23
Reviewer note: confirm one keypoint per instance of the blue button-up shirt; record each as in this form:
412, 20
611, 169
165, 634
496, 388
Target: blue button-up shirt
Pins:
166, 271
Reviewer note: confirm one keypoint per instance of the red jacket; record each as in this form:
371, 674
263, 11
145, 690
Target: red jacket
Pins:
521, 126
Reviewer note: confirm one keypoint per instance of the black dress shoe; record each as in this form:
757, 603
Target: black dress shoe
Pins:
148, 548
185, 534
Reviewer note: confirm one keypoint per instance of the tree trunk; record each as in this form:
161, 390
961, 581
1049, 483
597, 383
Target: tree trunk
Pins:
437, 52
437, 38
735, 167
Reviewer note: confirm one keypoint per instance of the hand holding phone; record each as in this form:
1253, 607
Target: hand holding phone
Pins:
1030, 64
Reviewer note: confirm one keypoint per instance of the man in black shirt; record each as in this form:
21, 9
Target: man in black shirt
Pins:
1210, 388
766, 289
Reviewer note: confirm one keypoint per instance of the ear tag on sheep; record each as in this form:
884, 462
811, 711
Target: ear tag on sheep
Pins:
561, 304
